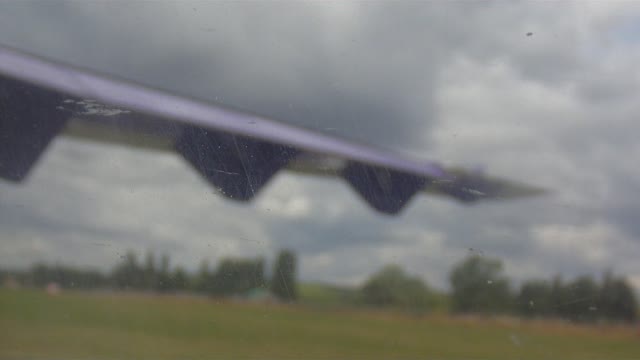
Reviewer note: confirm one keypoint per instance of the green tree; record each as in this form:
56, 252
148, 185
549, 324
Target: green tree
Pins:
581, 300
163, 278
283, 281
479, 285
391, 286
40, 274
150, 275
180, 279
560, 296
237, 276
128, 274
203, 280
65, 276
534, 299
617, 300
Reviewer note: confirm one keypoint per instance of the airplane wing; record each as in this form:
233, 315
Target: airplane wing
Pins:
236, 151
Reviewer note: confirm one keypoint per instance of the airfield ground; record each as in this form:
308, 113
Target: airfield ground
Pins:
104, 326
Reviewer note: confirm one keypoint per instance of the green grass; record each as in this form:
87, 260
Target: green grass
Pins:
329, 296
99, 326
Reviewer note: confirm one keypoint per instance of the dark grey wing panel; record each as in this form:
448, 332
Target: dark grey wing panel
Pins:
237, 165
384, 189
26, 130
236, 151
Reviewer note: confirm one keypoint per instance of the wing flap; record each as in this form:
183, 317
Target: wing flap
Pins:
237, 165
386, 190
27, 125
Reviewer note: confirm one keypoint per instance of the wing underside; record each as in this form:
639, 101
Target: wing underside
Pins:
235, 151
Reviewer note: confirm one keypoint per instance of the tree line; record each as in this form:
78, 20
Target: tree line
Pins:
233, 276
479, 286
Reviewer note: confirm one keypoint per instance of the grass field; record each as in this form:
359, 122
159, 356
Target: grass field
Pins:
328, 296
105, 326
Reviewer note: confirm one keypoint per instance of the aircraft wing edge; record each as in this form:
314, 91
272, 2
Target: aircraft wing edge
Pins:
237, 152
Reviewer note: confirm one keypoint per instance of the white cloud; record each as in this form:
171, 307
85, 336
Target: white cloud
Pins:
589, 242
484, 106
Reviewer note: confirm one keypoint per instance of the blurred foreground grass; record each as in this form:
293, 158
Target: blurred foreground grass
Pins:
104, 326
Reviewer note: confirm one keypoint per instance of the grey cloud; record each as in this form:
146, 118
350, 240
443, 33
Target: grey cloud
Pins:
357, 80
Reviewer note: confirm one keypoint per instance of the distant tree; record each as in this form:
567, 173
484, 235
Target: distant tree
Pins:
559, 296
203, 279
534, 299
163, 279
128, 274
581, 300
479, 286
65, 276
237, 276
391, 286
150, 275
283, 281
40, 275
617, 301
180, 279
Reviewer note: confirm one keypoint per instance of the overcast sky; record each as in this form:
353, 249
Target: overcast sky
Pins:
545, 93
